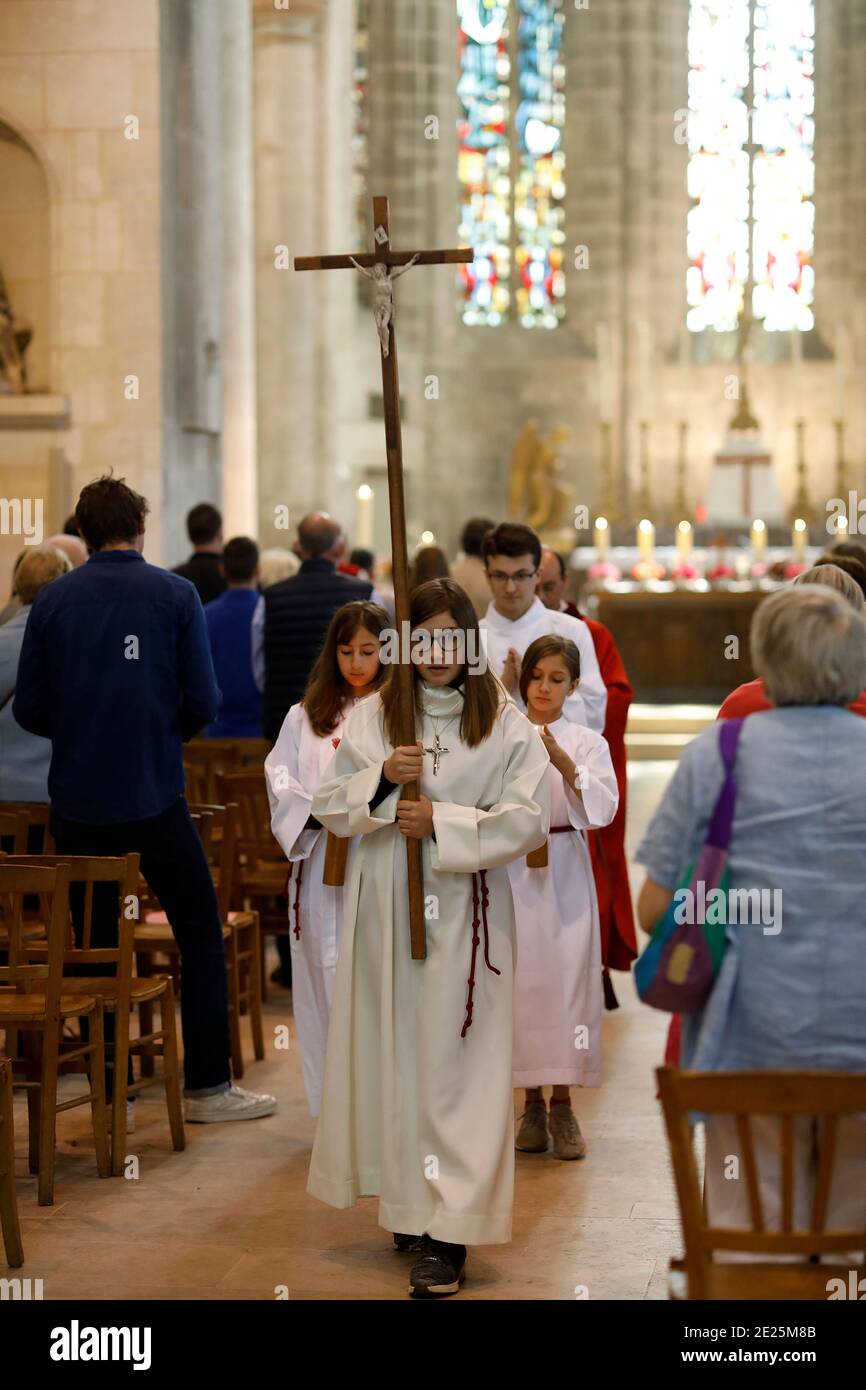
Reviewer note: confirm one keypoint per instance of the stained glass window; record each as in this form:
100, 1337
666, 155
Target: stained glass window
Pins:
756, 183
511, 163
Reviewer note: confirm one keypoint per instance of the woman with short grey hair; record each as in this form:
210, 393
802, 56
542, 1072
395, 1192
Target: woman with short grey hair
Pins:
790, 990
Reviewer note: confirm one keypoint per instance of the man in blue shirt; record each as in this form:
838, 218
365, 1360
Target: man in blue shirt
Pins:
116, 670
229, 621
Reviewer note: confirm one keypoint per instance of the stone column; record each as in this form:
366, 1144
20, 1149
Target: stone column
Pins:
288, 142
240, 491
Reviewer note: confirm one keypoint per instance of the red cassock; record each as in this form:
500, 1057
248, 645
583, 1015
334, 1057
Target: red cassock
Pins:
607, 846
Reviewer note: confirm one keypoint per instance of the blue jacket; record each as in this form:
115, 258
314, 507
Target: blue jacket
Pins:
229, 624
116, 670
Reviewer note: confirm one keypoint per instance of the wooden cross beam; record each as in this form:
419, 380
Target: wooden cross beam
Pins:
395, 261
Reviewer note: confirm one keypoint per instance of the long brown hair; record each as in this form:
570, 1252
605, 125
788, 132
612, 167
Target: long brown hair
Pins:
430, 562
326, 690
552, 645
482, 694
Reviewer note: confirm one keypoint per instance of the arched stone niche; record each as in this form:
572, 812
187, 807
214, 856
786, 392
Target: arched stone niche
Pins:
25, 249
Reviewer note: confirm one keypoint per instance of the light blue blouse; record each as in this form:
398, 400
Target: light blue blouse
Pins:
794, 999
24, 758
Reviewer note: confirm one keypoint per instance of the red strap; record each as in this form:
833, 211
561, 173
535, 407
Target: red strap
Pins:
485, 899
296, 906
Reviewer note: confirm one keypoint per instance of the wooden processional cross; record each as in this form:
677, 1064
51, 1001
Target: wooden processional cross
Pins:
383, 266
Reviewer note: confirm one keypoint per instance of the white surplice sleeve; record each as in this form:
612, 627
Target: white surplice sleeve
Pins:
342, 802
599, 794
289, 798
588, 704
468, 838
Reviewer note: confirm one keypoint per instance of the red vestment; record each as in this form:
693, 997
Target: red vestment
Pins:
607, 846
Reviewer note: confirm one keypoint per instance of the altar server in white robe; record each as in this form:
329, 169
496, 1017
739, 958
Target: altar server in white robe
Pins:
417, 1104
516, 616
348, 669
558, 992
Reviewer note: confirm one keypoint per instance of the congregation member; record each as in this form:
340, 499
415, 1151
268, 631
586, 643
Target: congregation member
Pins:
72, 547
276, 563
24, 758
417, 1107
229, 626
789, 992
14, 605
292, 617
558, 997
752, 697
430, 562
606, 845
851, 565
468, 569
116, 671
516, 616
347, 670
363, 562
204, 526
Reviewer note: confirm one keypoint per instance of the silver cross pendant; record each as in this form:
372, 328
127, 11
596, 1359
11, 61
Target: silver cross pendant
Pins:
437, 750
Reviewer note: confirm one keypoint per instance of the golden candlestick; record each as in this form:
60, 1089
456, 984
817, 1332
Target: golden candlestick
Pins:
801, 505
679, 506
841, 480
644, 505
609, 506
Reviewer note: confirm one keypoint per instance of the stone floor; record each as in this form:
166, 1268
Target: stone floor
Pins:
229, 1217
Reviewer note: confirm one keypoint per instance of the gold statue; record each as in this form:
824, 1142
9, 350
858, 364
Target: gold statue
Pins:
536, 493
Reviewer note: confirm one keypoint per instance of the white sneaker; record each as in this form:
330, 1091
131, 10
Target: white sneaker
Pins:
130, 1117
233, 1104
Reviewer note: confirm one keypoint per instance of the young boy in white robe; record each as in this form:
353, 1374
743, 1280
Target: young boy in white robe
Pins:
558, 993
348, 669
417, 1105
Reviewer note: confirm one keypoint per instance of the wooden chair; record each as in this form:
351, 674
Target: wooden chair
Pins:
260, 877
217, 827
9, 1226
38, 814
13, 828
36, 1005
825, 1096
119, 991
205, 759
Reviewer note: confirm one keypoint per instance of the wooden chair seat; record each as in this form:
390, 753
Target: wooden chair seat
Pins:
9, 1225
750, 1282
105, 988
156, 933
18, 1010
30, 931
264, 878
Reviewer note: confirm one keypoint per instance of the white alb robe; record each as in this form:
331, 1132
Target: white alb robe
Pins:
588, 704
412, 1110
294, 769
558, 995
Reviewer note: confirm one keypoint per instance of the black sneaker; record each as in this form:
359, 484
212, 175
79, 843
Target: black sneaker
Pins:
407, 1245
439, 1271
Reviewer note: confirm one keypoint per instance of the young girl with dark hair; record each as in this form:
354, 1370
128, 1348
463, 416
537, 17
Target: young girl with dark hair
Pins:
347, 670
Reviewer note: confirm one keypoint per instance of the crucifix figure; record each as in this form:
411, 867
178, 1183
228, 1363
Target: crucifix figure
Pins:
437, 750
384, 265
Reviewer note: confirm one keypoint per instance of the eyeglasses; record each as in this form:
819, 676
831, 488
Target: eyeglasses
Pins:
521, 577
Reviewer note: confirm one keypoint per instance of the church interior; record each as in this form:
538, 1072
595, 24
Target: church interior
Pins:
631, 318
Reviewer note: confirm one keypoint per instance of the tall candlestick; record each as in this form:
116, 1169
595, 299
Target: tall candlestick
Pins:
364, 516
601, 537
797, 366
646, 539
684, 541
758, 537
841, 480
604, 356
799, 538
841, 373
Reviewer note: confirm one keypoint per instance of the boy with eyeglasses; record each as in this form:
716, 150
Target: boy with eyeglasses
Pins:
516, 617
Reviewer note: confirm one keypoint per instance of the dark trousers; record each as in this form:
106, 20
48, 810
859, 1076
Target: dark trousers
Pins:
173, 863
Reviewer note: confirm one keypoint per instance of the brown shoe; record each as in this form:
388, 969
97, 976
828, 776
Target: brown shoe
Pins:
568, 1141
533, 1136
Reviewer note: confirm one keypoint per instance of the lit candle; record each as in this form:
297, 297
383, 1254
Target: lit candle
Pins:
842, 528
799, 538
601, 536
364, 516
758, 536
646, 539
684, 541
427, 538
